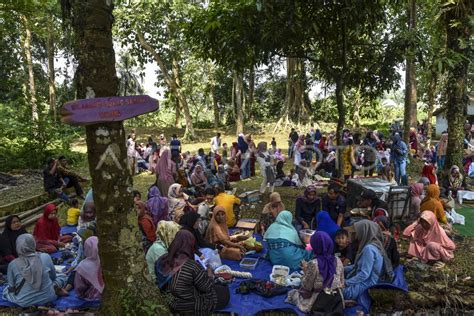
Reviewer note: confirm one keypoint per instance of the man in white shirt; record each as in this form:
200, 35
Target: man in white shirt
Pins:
216, 143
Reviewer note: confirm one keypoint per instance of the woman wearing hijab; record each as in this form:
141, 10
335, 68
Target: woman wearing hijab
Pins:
441, 148
300, 150
326, 224
415, 201
233, 171
270, 212
13, 229
165, 171
429, 171
307, 207
157, 205
47, 231
243, 146
389, 242
165, 234
284, 244
218, 235
371, 264
192, 289
31, 278
266, 170
177, 201
428, 241
145, 223
454, 181
324, 272
279, 155
88, 281
432, 203
198, 178
191, 222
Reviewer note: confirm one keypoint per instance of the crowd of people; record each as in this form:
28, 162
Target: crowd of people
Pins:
191, 207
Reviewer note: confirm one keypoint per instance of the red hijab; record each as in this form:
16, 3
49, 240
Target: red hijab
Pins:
428, 173
45, 228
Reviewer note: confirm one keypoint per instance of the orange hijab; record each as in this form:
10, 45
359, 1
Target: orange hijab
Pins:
432, 203
217, 232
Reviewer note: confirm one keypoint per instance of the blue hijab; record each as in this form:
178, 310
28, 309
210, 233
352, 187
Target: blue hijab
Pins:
326, 224
242, 144
317, 135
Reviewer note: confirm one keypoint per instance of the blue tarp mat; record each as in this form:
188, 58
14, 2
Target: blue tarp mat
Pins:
250, 304
62, 303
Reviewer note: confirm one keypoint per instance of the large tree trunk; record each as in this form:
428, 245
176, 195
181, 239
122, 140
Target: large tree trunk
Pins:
458, 33
251, 93
120, 252
215, 106
295, 88
31, 74
431, 100
172, 84
410, 119
177, 112
341, 111
51, 75
238, 99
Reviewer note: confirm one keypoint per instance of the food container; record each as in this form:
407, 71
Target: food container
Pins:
248, 263
305, 235
280, 275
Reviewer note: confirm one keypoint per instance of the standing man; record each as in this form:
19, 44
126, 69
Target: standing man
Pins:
292, 139
216, 143
398, 154
175, 146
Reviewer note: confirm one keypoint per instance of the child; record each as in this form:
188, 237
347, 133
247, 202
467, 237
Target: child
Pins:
73, 213
384, 170
137, 196
274, 145
343, 248
225, 153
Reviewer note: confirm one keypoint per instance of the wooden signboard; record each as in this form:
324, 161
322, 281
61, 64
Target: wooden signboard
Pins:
108, 109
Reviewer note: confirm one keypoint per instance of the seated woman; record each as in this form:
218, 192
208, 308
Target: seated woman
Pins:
165, 234
306, 208
326, 224
390, 244
284, 244
324, 272
192, 290
270, 212
198, 178
432, 203
233, 171
428, 241
13, 229
279, 155
415, 201
31, 278
218, 234
177, 201
371, 264
88, 281
191, 222
157, 205
429, 172
145, 223
87, 217
47, 231
454, 182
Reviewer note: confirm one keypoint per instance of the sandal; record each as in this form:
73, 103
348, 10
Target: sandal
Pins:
439, 265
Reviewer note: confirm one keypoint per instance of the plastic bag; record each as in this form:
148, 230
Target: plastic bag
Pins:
212, 258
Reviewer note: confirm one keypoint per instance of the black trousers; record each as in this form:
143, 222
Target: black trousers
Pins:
73, 182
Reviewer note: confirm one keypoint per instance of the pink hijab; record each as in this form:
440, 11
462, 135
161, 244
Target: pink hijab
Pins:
165, 165
89, 268
417, 189
429, 244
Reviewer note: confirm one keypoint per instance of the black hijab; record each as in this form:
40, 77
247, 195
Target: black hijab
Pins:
187, 222
9, 236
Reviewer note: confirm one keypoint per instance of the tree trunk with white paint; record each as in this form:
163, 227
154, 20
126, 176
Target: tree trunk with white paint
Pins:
120, 249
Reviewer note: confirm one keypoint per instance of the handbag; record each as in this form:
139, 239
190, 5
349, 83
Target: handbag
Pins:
328, 303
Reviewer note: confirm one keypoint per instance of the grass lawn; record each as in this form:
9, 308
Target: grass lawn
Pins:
468, 229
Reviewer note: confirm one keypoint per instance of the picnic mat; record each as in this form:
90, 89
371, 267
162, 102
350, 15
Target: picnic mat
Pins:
65, 302
251, 304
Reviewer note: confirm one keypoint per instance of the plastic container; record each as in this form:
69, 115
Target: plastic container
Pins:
248, 263
280, 275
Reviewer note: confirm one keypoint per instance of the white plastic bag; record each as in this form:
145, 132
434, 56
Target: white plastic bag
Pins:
212, 257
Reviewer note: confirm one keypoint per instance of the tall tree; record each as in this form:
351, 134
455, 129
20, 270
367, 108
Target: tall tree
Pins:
121, 256
50, 47
159, 41
458, 22
29, 63
410, 119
